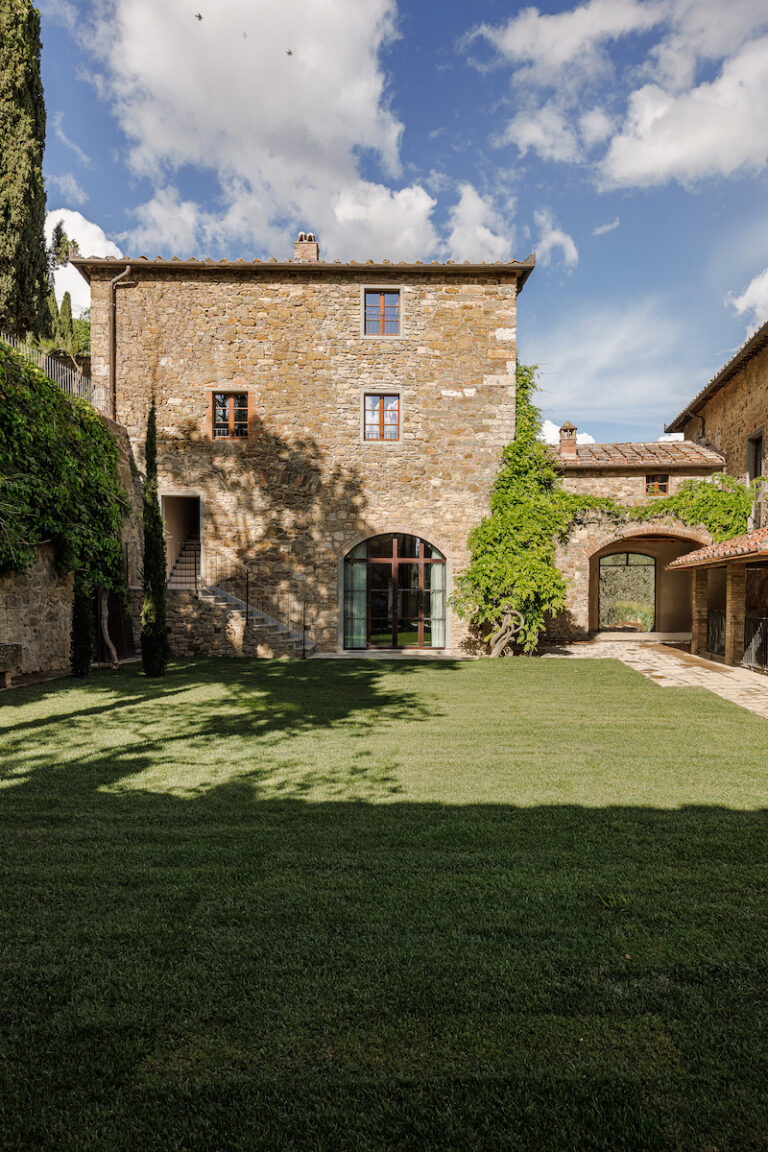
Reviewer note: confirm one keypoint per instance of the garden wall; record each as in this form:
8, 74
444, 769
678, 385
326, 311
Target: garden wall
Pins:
36, 612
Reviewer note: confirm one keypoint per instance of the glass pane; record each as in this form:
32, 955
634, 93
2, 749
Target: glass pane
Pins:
619, 560
431, 552
372, 403
408, 633
390, 433
380, 546
391, 403
408, 546
390, 417
241, 403
636, 558
355, 603
372, 432
408, 576
359, 553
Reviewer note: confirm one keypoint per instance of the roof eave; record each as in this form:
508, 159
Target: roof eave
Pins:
86, 265
755, 344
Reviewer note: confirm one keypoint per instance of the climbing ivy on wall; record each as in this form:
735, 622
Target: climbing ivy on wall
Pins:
512, 551
59, 479
722, 505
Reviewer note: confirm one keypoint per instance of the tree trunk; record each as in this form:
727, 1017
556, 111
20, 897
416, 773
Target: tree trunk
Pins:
103, 618
511, 623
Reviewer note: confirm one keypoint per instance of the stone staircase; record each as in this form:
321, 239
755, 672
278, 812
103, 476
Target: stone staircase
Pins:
206, 618
186, 571
271, 630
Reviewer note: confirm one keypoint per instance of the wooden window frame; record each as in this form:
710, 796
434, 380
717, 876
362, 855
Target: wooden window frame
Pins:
381, 438
657, 484
231, 435
381, 291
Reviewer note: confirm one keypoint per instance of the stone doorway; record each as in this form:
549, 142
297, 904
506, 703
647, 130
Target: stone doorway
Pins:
182, 521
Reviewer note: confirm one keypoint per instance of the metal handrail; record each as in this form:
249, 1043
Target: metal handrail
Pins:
274, 608
755, 641
71, 381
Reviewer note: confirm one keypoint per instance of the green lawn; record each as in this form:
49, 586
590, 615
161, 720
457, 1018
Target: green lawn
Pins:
369, 905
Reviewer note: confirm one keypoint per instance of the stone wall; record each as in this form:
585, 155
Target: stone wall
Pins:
576, 559
286, 501
736, 412
36, 612
627, 487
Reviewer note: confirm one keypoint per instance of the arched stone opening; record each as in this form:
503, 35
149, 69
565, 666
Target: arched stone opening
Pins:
393, 594
631, 589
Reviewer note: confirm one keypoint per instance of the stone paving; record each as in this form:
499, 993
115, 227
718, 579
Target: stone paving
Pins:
671, 668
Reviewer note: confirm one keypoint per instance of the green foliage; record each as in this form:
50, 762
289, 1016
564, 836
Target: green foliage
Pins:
82, 640
58, 478
512, 565
64, 329
154, 636
722, 505
23, 261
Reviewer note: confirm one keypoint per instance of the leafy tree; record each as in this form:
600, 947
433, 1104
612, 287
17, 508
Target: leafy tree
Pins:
512, 566
154, 637
64, 329
23, 263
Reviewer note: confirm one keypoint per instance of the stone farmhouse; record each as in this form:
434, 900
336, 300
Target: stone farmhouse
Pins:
329, 434
730, 580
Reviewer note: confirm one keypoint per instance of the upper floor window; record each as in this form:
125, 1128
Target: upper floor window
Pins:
382, 312
382, 417
230, 415
657, 484
754, 457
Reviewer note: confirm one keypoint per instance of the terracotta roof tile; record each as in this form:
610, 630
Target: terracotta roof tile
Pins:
663, 454
750, 544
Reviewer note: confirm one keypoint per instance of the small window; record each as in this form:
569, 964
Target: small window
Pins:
657, 484
754, 457
382, 312
230, 415
381, 417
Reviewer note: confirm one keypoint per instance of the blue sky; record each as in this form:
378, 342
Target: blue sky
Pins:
625, 141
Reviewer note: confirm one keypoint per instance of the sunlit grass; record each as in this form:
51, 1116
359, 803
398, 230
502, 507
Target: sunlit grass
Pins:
362, 905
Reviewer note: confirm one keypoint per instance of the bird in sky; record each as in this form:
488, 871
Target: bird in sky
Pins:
198, 16
288, 52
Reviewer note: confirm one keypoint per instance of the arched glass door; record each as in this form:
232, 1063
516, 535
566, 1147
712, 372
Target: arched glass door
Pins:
394, 594
627, 592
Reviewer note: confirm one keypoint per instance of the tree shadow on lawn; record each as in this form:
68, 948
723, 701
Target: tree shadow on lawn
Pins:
222, 715
232, 972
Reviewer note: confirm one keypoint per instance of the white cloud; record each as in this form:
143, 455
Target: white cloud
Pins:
550, 434
547, 45
678, 123
753, 301
602, 364
69, 188
166, 222
282, 133
551, 238
545, 130
60, 134
711, 130
92, 241
477, 231
603, 228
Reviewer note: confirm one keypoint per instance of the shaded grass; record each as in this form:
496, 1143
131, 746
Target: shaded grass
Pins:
354, 905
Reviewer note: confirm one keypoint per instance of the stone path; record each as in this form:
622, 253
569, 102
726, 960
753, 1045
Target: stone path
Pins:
671, 668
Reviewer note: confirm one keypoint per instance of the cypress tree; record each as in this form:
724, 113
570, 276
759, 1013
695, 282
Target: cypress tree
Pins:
23, 258
154, 638
64, 328
82, 638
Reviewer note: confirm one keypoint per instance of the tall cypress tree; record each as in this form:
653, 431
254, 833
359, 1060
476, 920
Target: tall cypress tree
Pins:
64, 328
154, 637
23, 261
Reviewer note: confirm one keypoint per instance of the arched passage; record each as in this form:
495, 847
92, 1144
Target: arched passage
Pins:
394, 593
631, 590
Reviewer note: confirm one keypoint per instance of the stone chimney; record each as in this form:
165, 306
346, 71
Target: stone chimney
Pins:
305, 248
568, 439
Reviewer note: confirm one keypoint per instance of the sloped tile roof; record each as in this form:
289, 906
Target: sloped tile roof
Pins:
753, 543
756, 342
661, 455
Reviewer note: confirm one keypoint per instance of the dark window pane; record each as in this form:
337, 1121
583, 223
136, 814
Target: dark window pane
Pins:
380, 546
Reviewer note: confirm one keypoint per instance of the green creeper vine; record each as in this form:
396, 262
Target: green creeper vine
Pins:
59, 479
512, 551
